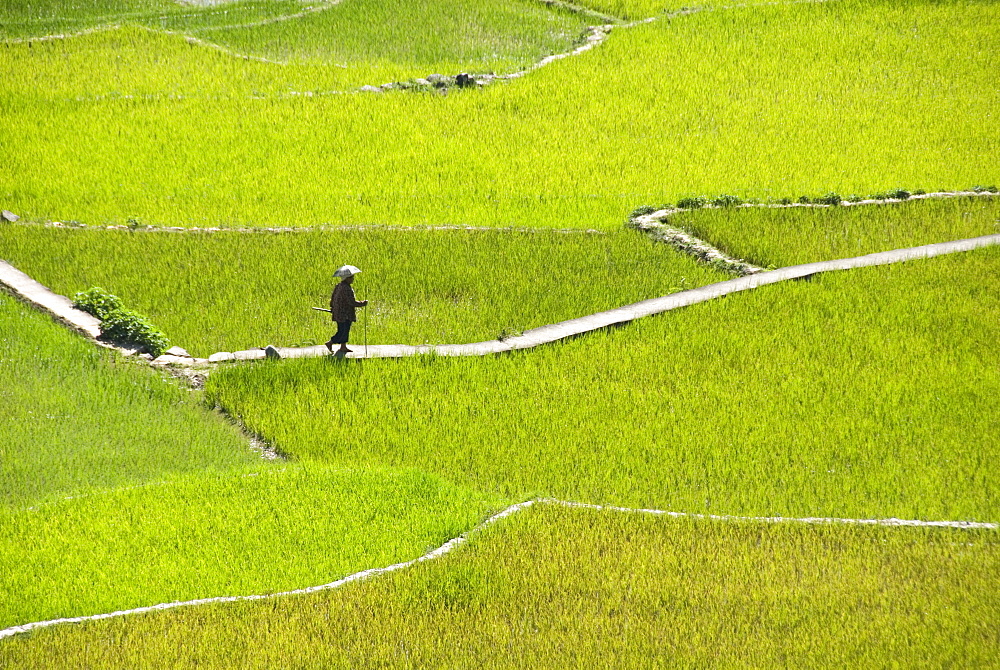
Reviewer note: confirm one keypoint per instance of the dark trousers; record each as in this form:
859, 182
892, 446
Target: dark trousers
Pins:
343, 332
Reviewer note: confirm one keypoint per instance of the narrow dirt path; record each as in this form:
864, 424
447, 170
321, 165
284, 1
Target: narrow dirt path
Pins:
462, 539
621, 315
60, 307
35, 294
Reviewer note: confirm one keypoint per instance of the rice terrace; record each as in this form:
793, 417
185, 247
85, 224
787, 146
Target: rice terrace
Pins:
679, 349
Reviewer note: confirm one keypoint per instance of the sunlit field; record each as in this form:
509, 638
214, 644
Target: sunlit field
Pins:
230, 291
560, 587
478, 211
77, 419
759, 102
779, 237
862, 394
121, 490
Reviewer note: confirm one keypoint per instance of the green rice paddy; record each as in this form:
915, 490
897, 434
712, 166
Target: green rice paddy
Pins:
120, 490
554, 587
789, 236
760, 102
864, 394
77, 419
231, 291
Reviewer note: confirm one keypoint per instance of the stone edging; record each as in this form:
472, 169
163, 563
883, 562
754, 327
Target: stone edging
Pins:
144, 228
462, 539
685, 242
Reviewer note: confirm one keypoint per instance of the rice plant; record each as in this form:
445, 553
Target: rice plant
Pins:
78, 419
204, 535
760, 101
436, 286
561, 588
789, 236
862, 394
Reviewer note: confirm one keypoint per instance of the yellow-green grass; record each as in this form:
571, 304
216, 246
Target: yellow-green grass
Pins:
757, 102
788, 236
869, 393
484, 35
201, 535
21, 20
78, 419
564, 588
310, 48
642, 9
118, 489
25, 18
230, 291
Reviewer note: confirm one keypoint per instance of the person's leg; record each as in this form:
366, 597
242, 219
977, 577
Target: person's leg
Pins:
340, 337
346, 328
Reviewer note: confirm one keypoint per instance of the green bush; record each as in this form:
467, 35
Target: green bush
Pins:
97, 301
126, 325
695, 202
899, 194
727, 201
830, 199
120, 324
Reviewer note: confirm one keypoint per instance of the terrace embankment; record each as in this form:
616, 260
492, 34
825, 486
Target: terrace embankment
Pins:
35, 293
654, 224
454, 543
575, 327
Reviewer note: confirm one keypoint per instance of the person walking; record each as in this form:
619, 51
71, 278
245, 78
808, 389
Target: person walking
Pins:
342, 308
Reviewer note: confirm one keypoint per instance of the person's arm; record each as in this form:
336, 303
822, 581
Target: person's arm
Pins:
357, 303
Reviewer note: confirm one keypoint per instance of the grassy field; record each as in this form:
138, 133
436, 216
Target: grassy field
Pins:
77, 419
759, 102
118, 489
870, 393
440, 286
283, 527
864, 394
569, 588
482, 36
779, 237
311, 47
492, 283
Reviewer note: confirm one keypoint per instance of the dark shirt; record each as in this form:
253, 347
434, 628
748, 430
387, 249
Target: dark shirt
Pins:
343, 302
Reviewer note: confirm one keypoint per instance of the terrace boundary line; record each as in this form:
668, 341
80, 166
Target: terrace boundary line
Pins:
27, 289
622, 315
189, 36
593, 37
462, 539
685, 242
